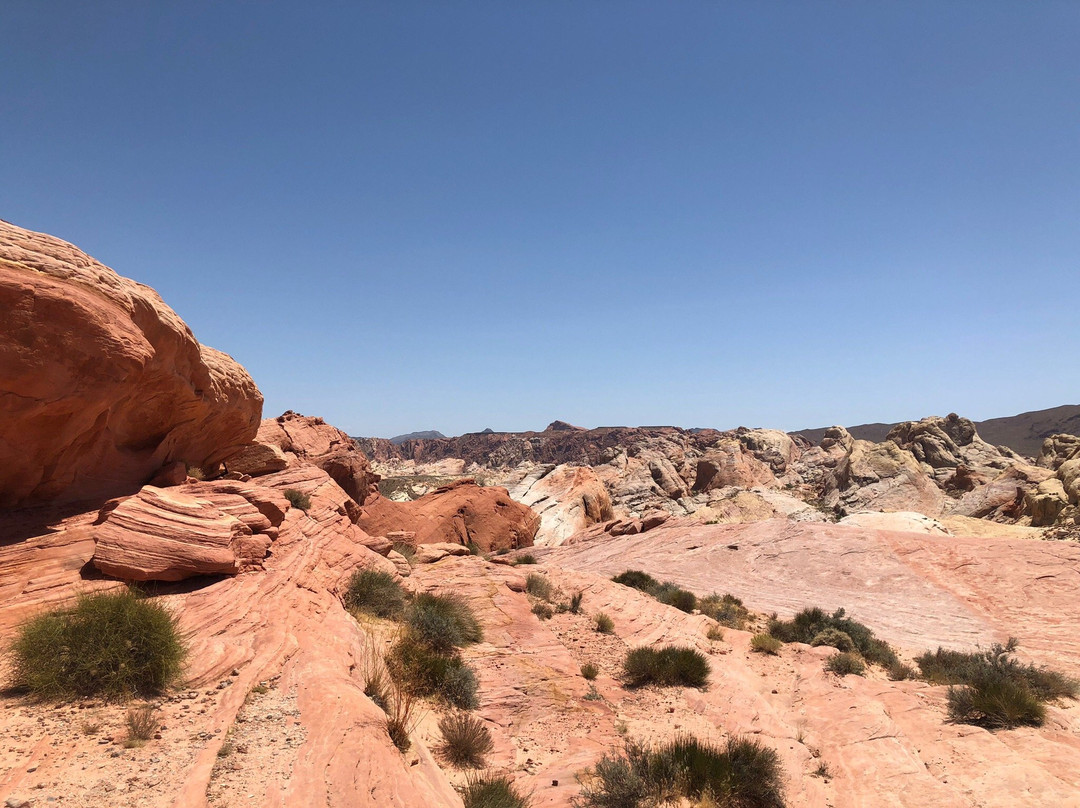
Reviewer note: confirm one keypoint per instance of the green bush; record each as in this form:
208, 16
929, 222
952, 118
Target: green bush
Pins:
375, 592
590, 671
682, 599
995, 701
298, 499
465, 741
115, 645
575, 602
845, 663
527, 558
714, 633
604, 624
898, 672
637, 580
443, 622
492, 791
543, 610
810, 623
538, 586
669, 666
835, 638
420, 671
741, 773
956, 667
765, 644
727, 610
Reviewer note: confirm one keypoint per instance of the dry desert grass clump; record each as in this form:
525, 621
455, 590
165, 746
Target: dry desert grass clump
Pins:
465, 741
376, 592
669, 666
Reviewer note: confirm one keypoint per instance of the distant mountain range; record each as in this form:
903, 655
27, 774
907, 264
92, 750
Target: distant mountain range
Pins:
1023, 433
426, 435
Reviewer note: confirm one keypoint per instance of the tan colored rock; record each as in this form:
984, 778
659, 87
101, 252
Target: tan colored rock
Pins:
103, 383
567, 498
1046, 502
730, 464
462, 513
258, 458
883, 477
1056, 449
901, 520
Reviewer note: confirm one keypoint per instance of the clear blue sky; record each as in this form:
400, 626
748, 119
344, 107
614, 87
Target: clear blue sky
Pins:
447, 215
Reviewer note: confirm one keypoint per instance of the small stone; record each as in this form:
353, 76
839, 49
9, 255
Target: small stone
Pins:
16, 802
235, 672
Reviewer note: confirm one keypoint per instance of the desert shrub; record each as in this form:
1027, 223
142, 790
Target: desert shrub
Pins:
465, 741
956, 668
142, 724
765, 644
995, 701
682, 599
492, 791
604, 624
527, 558
898, 671
401, 721
593, 694
538, 586
669, 666
834, 638
845, 663
406, 550
727, 610
443, 622
638, 580
741, 773
298, 499
543, 610
590, 671
196, 473
375, 592
421, 671
575, 602
809, 623
714, 633
114, 644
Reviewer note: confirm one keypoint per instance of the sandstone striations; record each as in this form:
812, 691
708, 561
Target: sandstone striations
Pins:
103, 383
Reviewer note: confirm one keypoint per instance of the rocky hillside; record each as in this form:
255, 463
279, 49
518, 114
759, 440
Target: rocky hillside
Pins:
1023, 433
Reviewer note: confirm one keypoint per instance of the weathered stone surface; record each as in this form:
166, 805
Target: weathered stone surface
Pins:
314, 441
1046, 502
567, 498
258, 458
103, 382
461, 513
730, 464
1057, 449
902, 520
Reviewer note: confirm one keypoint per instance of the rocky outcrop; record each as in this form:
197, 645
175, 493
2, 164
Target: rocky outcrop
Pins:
567, 498
1057, 449
881, 477
948, 442
103, 382
462, 513
310, 440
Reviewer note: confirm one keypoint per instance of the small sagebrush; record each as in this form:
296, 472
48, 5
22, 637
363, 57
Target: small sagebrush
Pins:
492, 791
543, 610
590, 671
376, 592
811, 623
465, 741
142, 724
727, 610
114, 644
669, 666
765, 644
603, 623
845, 663
420, 671
527, 558
443, 621
538, 586
714, 633
575, 602
298, 499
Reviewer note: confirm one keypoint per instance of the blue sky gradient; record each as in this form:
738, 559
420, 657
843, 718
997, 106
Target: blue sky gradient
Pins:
454, 216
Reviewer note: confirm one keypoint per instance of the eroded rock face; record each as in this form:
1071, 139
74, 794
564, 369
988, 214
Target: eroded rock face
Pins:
461, 513
103, 382
313, 441
567, 498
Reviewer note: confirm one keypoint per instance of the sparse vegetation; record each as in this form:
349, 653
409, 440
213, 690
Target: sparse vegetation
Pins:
443, 622
590, 671
538, 586
810, 624
142, 723
714, 633
543, 610
845, 663
196, 473
823, 771
465, 741
298, 499
527, 558
375, 592
727, 610
114, 644
575, 602
400, 720
992, 688
604, 624
765, 644
742, 773
421, 671
593, 694
669, 593
835, 638
492, 791
898, 671
669, 666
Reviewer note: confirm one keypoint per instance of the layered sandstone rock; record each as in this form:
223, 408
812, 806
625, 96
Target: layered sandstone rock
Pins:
103, 382
310, 440
461, 513
567, 498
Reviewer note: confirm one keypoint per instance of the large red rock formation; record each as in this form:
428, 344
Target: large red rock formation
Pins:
102, 382
460, 513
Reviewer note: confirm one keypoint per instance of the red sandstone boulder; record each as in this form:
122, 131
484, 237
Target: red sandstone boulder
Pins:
313, 441
103, 383
461, 513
